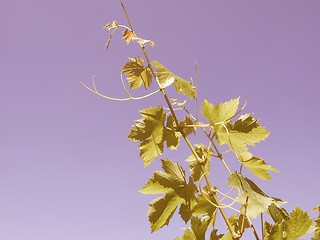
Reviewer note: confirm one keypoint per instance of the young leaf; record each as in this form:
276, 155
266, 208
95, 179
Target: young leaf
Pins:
256, 165
195, 167
166, 78
238, 137
143, 41
221, 112
137, 73
127, 35
258, 201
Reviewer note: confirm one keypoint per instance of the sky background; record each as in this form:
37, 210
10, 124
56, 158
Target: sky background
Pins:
66, 169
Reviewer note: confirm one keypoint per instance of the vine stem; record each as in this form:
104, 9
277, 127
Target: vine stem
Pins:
211, 191
213, 195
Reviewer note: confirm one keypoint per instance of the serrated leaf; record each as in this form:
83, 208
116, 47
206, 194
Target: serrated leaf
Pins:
238, 138
221, 112
199, 228
162, 209
298, 224
137, 73
172, 183
173, 177
291, 228
256, 165
154, 187
139, 131
149, 131
166, 78
149, 150
258, 201
273, 232
185, 212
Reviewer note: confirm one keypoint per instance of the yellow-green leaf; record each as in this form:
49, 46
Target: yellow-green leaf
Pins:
221, 112
256, 165
166, 78
137, 73
239, 137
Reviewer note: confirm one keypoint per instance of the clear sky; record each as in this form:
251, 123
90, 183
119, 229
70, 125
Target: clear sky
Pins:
66, 170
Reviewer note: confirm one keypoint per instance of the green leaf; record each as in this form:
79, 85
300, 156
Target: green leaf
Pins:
256, 165
291, 228
245, 123
258, 201
238, 137
137, 73
273, 232
173, 177
162, 209
139, 131
149, 150
166, 78
172, 183
203, 207
154, 187
298, 224
221, 112
149, 131
199, 227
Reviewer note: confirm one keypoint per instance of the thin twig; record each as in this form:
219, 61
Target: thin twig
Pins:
120, 99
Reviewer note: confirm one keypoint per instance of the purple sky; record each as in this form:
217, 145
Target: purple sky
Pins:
66, 170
